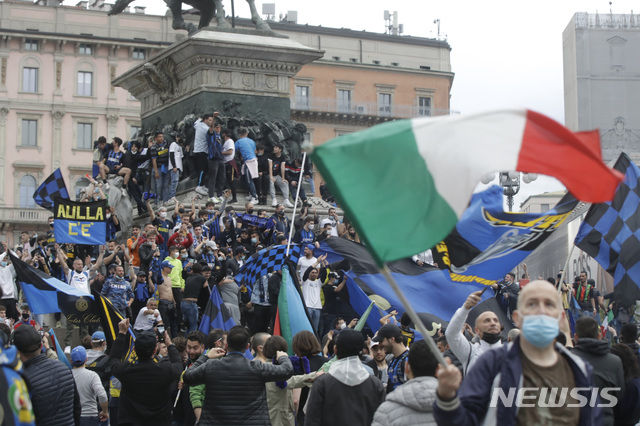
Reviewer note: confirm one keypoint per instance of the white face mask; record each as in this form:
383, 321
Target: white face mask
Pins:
343, 326
311, 226
163, 215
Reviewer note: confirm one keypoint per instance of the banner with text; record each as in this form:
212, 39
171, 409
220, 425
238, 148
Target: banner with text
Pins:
80, 223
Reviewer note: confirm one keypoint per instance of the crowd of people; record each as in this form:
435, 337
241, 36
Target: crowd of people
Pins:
160, 275
215, 158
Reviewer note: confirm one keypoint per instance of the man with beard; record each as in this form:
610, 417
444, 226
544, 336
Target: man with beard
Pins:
189, 405
390, 338
487, 328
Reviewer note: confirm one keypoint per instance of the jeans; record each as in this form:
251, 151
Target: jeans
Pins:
284, 188
314, 316
89, 421
250, 185
293, 187
200, 166
173, 184
162, 186
190, 315
216, 178
168, 314
312, 184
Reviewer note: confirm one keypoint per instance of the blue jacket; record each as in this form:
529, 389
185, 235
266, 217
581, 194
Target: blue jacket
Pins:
502, 367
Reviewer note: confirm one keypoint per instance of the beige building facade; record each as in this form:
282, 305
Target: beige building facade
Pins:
56, 96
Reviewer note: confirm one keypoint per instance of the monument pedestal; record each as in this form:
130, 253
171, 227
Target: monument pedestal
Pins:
213, 70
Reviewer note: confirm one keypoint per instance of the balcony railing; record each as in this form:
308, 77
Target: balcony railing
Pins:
23, 215
363, 108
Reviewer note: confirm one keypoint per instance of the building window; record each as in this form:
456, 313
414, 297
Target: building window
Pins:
85, 49
31, 45
29, 132
344, 100
302, 97
133, 131
84, 83
30, 80
424, 106
384, 103
85, 135
544, 207
138, 53
27, 188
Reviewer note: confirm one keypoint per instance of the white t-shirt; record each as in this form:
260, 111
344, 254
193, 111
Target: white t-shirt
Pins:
146, 318
303, 264
311, 293
334, 225
79, 280
229, 144
177, 150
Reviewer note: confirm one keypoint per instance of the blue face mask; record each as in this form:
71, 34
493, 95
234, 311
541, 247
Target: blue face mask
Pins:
540, 330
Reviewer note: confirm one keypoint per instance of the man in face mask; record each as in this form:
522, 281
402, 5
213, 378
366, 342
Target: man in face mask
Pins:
280, 220
487, 328
532, 362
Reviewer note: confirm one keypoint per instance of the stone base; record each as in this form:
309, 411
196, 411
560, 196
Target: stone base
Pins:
228, 104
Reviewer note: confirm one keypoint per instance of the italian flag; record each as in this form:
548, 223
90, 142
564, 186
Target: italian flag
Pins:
405, 183
291, 316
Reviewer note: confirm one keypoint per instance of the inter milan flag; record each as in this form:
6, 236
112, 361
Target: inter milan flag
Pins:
610, 233
53, 187
109, 319
266, 261
216, 314
47, 295
80, 223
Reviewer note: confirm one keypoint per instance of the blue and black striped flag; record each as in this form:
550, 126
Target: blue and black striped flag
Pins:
216, 314
610, 233
53, 187
264, 262
46, 295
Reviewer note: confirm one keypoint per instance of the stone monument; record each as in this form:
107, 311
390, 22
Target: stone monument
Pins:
215, 69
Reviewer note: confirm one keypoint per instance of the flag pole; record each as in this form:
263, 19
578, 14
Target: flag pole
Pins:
295, 204
566, 266
413, 315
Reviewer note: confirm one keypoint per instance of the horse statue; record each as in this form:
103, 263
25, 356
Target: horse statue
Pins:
207, 8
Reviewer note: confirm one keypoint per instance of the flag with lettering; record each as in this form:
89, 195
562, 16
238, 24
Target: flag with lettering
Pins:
80, 223
53, 187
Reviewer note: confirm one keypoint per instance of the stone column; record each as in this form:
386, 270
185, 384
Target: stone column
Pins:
56, 151
4, 111
112, 124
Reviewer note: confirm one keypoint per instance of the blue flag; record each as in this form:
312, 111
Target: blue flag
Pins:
486, 244
53, 187
216, 314
47, 295
610, 233
59, 351
80, 223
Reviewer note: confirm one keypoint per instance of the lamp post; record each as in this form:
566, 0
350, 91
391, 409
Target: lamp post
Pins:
510, 183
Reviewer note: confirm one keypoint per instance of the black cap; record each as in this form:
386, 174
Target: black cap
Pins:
388, 331
27, 339
349, 343
145, 342
141, 272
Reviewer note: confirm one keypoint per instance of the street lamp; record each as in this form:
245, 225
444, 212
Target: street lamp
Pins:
510, 183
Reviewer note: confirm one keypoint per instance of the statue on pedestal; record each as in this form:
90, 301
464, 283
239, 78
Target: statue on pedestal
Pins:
207, 8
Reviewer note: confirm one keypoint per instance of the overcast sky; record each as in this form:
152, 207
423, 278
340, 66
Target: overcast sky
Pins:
505, 53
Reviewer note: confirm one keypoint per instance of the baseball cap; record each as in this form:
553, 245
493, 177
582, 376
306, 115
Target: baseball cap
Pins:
98, 336
388, 331
166, 264
26, 338
78, 355
373, 343
141, 273
212, 244
310, 246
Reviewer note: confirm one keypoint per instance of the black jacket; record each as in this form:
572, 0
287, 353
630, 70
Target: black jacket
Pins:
145, 397
235, 392
333, 403
607, 369
53, 392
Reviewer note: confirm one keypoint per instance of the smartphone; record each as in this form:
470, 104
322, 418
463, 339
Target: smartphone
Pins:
161, 329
